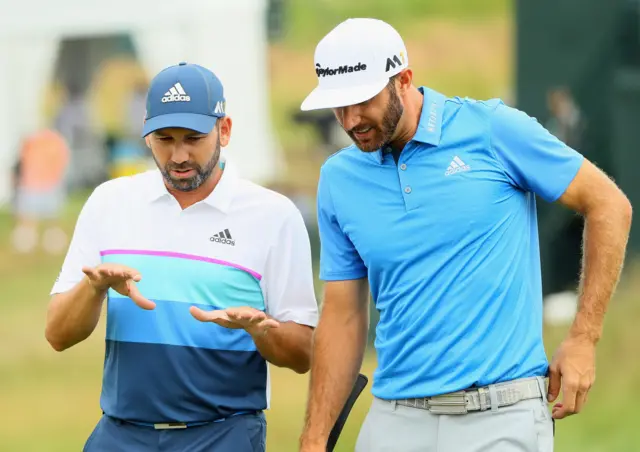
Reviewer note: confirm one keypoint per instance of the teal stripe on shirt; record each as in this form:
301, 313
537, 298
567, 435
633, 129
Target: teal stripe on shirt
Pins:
191, 279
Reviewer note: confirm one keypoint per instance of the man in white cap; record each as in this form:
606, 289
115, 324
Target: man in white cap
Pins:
432, 211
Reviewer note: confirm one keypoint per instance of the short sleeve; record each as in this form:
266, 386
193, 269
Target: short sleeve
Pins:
288, 276
84, 246
339, 259
532, 157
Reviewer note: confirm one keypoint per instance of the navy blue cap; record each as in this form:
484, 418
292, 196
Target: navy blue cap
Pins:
188, 96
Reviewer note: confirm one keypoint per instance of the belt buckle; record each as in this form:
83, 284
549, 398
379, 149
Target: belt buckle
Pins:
452, 403
170, 425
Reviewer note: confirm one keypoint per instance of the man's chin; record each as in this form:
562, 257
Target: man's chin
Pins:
367, 147
184, 185
371, 145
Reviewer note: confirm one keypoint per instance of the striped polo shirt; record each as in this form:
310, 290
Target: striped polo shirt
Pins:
243, 245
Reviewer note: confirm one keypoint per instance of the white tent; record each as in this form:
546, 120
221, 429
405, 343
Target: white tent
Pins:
229, 37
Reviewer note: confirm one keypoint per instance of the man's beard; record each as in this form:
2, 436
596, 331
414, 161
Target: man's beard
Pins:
384, 133
195, 181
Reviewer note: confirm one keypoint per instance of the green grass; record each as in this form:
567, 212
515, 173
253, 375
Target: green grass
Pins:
308, 21
49, 401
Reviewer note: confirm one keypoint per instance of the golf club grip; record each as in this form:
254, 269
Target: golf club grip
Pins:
358, 387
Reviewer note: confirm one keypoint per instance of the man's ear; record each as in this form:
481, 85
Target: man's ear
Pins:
148, 141
405, 79
224, 130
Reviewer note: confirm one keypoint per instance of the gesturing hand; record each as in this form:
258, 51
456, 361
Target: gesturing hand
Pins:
573, 367
120, 278
253, 321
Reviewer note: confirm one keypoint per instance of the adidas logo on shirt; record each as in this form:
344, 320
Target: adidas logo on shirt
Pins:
176, 94
223, 237
456, 166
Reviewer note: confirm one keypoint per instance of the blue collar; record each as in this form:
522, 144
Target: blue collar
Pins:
430, 124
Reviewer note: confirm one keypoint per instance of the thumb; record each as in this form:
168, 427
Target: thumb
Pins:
554, 383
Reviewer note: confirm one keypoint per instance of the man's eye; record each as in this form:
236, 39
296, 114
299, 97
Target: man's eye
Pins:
164, 138
194, 138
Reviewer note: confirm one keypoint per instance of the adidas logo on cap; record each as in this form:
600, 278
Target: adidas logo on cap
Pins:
176, 94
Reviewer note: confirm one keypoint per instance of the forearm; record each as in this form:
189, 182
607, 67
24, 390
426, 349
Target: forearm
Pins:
605, 240
338, 349
72, 316
289, 346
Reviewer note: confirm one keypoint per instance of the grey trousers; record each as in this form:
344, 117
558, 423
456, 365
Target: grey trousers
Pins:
524, 427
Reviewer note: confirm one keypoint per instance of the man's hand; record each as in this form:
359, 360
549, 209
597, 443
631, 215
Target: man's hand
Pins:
120, 278
574, 368
253, 321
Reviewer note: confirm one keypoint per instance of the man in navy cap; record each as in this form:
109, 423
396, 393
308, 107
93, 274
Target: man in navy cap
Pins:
207, 276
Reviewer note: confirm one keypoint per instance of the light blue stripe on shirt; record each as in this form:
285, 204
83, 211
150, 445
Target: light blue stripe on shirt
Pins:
170, 323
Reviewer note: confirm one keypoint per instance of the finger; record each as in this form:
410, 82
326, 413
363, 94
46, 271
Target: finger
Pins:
258, 316
105, 272
560, 412
557, 412
90, 272
133, 275
208, 316
137, 297
581, 397
569, 394
554, 383
269, 323
242, 314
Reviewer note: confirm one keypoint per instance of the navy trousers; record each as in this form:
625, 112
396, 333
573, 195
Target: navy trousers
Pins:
242, 433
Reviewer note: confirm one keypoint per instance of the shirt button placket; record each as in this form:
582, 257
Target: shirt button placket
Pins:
406, 186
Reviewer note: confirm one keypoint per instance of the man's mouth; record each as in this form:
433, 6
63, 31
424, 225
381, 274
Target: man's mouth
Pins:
183, 173
363, 132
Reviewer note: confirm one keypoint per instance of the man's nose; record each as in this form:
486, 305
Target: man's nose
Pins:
350, 117
180, 153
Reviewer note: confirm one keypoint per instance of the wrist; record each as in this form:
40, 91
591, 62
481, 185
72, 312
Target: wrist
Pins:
583, 336
257, 333
97, 289
308, 443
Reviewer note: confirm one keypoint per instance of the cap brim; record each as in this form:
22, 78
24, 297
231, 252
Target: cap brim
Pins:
321, 97
191, 121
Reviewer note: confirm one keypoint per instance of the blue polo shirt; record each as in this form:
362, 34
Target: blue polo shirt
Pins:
448, 240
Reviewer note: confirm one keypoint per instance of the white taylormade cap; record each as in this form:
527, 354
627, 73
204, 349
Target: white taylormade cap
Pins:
354, 63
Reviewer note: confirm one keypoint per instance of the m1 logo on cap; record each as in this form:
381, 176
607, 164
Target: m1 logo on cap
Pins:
395, 61
345, 69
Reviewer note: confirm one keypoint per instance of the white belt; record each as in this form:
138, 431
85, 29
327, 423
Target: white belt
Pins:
479, 399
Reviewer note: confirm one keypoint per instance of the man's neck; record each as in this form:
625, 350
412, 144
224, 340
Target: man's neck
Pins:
189, 198
410, 119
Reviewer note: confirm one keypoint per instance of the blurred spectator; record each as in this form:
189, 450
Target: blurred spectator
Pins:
566, 121
331, 134
567, 124
137, 110
128, 152
40, 192
73, 120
